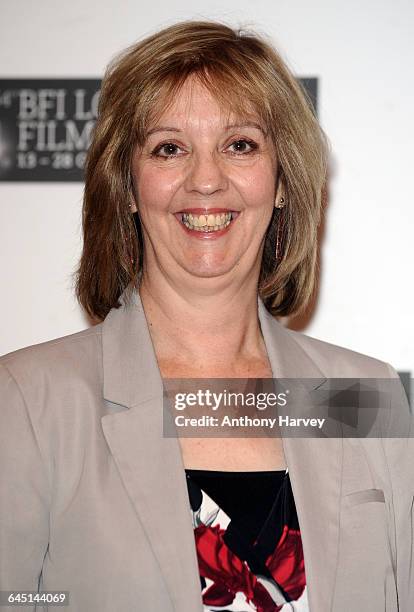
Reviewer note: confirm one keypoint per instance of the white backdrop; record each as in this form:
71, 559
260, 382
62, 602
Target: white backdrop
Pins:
362, 52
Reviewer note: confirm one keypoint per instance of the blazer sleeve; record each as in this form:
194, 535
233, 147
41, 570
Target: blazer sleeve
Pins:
24, 493
399, 452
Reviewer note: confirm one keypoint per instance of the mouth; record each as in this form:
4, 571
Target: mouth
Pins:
203, 222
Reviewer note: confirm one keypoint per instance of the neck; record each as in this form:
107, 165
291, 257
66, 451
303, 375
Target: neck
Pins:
205, 327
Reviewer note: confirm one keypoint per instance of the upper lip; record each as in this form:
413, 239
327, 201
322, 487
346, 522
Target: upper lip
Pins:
206, 211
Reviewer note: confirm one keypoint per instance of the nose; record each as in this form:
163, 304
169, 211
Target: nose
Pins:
206, 174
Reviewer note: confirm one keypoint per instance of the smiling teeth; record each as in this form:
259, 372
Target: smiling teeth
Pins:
207, 223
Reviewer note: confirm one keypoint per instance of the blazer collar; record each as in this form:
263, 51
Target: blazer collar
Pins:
131, 373
151, 467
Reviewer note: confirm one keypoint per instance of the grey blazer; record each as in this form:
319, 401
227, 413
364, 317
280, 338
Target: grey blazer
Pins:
93, 498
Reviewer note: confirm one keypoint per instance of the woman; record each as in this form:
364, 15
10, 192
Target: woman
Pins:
208, 142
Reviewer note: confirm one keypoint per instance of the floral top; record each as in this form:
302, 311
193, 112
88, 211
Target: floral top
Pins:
248, 541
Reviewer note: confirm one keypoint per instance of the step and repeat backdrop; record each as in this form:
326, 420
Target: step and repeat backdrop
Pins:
355, 62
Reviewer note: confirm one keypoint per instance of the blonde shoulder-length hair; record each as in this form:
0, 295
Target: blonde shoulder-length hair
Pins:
242, 70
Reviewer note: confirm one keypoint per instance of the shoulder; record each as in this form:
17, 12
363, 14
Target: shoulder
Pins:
53, 389
56, 362
339, 361
55, 349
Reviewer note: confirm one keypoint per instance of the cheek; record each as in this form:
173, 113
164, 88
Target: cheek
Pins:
155, 188
258, 187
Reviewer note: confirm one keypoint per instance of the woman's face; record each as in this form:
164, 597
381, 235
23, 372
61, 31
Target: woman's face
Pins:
205, 187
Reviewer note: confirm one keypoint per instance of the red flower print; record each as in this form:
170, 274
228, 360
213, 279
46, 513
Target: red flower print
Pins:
229, 574
286, 563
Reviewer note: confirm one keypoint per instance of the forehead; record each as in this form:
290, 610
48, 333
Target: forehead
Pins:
194, 105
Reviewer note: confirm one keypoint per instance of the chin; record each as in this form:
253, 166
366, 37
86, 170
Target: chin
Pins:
208, 269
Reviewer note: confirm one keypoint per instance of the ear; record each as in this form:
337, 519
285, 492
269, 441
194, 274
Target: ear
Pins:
280, 188
132, 200
132, 196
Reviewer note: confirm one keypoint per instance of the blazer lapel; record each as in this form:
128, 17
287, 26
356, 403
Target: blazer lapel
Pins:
150, 465
152, 470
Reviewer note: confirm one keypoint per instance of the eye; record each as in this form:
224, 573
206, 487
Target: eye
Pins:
165, 150
244, 146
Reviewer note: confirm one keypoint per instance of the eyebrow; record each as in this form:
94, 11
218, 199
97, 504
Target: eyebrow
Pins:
227, 127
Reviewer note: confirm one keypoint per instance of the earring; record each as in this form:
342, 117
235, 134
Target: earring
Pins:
281, 203
129, 239
280, 231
